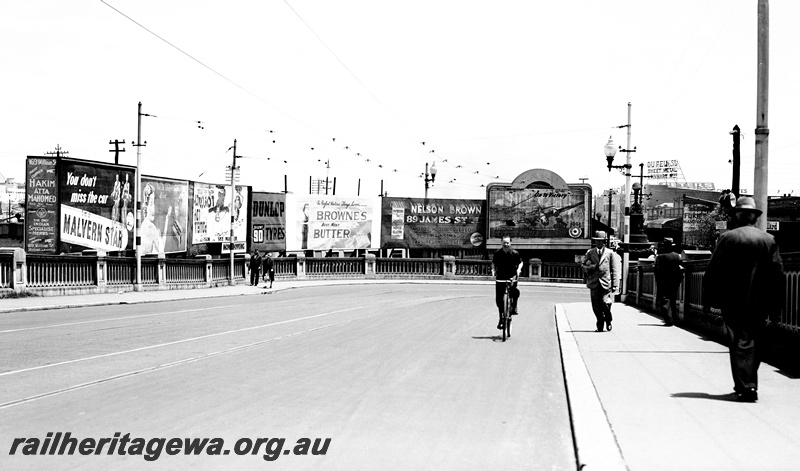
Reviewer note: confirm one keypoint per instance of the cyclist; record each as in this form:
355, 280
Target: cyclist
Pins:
506, 265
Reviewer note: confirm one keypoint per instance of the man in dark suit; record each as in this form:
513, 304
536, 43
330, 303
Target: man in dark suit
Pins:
668, 271
744, 279
603, 270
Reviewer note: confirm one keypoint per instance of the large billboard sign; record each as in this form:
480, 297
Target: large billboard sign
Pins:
212, 210
332, 222
693, 216
663, 169
41, 205
432, 223
96, 206
538, 213
268, 221
165, 215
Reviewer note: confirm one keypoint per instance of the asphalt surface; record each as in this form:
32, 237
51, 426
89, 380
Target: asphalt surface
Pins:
397, 376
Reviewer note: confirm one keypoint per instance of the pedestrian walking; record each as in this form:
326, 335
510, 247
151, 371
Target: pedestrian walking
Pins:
269, 269
669, 273
603, 269
255, 267
744, 278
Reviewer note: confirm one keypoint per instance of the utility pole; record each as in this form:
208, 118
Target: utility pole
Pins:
231, 205
761, 171
737, 159
58, 153
137, 203
116, 150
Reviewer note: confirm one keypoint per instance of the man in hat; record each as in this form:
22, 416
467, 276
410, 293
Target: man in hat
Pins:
668, 271
603, 270
744, 278
506, 266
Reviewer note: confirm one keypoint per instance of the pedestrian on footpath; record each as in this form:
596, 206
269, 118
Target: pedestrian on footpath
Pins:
603, 269
744, 278
255, 267
269, 269
669, 273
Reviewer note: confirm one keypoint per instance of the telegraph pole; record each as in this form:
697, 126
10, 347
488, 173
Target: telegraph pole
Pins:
761, 170
231, 205
137, 203
116, 150
737, 159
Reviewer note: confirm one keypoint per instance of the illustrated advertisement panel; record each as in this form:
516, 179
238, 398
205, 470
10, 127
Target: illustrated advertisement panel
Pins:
96, 206
268, 219
693, 216
432, 223
332, 222
41, 198
531, 213
212, 211
165, 215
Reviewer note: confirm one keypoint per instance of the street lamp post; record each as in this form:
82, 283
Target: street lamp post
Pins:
429, 178
610, 152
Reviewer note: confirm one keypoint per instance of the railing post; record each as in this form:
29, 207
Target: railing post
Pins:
209, 269
161, 275
369, 266
101, 268
449, 267
535, 269
19, 269
301, 266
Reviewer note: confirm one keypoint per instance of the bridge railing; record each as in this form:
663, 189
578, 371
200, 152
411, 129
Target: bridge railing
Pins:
782, 335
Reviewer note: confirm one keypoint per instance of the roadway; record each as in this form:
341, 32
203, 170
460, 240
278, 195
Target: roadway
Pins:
397, 376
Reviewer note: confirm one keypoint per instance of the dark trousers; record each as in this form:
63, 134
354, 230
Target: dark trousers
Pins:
668, 307
602, 309
499, 294
743, 337
254, 276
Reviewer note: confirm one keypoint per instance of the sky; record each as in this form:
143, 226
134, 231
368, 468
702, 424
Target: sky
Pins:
368, 92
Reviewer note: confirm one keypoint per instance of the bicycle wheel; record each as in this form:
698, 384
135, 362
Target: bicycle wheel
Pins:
506, 315
508, 327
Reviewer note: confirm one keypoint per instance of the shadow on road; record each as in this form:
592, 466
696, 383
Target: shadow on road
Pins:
730, 397
496, 338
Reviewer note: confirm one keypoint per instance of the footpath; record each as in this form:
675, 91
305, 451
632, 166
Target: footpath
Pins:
643, 396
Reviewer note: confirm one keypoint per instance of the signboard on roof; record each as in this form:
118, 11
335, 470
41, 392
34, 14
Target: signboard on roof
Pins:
663, 169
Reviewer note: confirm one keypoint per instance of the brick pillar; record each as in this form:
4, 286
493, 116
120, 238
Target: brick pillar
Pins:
209, 274
535, 269
161, 274
369, 266
301, 266
101, 268
19, 269
449, 267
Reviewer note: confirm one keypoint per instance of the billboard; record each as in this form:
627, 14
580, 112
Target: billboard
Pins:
212, 211
41, 205
96, 205
537, 213
331, 222
268, 221
432, 223
693, 215
165, 215
663, 169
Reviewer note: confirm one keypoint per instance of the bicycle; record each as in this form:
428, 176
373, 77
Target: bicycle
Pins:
507, 310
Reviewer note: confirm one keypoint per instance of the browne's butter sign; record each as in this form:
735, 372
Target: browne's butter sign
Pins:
91, 230
332, 222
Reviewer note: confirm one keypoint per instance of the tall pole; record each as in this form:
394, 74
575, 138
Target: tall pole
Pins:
627, 218
610, 195
737, 159
761, 172
426, 180
137, 204
231, 205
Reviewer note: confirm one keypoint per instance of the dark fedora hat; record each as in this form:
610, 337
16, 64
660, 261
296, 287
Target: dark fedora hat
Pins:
669, 241
601, 235
748, 204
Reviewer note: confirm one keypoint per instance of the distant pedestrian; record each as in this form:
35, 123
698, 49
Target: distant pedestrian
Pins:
255, 267
744, 278
269, 269
669, 273
603, 268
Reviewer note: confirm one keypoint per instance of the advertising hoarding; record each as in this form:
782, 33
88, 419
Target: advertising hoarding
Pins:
537, 213
332, 222
41, 205
268, 221
96, 203
432, 223
212, 211
165, 215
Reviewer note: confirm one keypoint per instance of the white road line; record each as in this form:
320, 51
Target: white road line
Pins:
151, 369
176, 342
